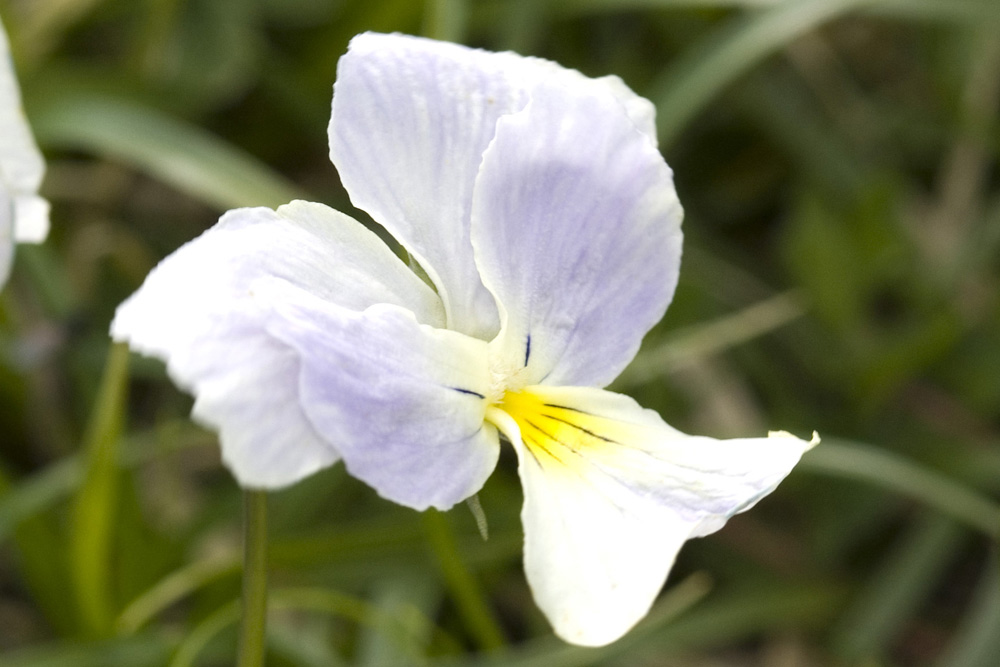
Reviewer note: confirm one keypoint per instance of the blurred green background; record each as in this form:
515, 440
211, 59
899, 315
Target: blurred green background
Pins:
837, 163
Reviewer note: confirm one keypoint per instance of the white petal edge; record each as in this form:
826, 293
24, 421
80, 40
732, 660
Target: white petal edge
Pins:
605, 518
197, 311
404, 402
31, 219
21, 165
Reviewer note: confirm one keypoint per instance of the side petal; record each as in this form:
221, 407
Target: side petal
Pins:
611, 495
576, 228
197, 311
21, 163
404, 402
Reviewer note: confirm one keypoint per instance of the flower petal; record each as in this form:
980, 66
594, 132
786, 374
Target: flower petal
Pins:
576, 228
21, 163
611, 495
197, 311
411, 119
404, 402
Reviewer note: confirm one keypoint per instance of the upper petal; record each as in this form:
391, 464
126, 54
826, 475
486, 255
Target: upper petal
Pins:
576, 228
403, 401
21, 163
197, 311
612, 493
411, 119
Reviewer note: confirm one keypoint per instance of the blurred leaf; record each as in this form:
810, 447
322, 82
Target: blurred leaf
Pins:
36, 494
703, 340
146, 651
404, 626
932, 10
896, 589
977, 642
43, 564
173, 588
204, 632
465, 590
41, 491
401, 595
552, 652
214, 51
181, 155
891, 472
94, 508
692, 81
446, 19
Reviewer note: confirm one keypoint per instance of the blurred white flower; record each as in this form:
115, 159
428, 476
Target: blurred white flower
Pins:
24, 216
538, 205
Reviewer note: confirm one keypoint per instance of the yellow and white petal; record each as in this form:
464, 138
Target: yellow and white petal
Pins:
612, 493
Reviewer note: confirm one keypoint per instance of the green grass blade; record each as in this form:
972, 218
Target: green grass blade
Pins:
977, 643
697, 77
896, 589
173, 588
186, 157
145, 651
27, 498
585, 7
196, 641
704, 340
964, 11
446, 19
465, 590
93, 512
400, 595
890, 471
552, 652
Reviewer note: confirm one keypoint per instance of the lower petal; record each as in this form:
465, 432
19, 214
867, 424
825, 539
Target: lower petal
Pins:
612, 493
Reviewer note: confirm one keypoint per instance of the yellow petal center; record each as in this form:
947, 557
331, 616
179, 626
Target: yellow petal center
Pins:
553, 433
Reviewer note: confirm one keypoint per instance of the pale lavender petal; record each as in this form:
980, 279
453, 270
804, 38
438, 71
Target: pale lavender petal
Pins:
198, 311
576, 227
411, 119
403, 401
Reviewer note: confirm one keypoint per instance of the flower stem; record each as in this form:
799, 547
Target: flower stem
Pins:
254, 615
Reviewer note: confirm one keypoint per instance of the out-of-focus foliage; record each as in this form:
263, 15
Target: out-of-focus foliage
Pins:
837, 160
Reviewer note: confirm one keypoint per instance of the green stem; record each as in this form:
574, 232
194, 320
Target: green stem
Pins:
465, 590
254, 615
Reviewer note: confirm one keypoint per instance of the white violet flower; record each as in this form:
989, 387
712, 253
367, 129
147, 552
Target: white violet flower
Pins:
24, 216
537, 204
